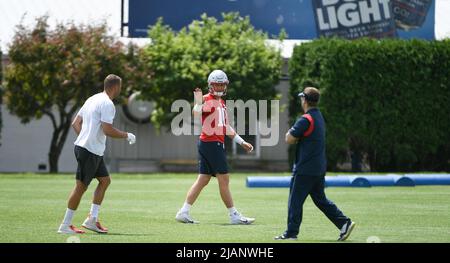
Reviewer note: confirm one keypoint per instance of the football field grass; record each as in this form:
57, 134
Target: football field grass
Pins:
141, 208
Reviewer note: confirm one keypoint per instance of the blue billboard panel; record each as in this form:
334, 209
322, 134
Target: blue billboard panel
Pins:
295, 16
302, 19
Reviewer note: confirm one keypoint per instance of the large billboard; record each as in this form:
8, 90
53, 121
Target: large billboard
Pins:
302, 19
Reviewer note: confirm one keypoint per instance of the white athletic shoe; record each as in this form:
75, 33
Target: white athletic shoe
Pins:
346, 230
69, 229
184, 217
92, 224
238, 219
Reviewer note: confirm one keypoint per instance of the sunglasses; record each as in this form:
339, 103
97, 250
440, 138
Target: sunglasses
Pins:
308, 98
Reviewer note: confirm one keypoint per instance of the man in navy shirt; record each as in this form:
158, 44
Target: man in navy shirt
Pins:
308, 174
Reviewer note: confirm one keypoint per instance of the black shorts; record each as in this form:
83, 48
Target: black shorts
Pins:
89, 165
212, 158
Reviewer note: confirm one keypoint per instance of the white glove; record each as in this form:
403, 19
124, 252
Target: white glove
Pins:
131, 138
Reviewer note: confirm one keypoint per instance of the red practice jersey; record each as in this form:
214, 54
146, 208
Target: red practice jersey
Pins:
214, 119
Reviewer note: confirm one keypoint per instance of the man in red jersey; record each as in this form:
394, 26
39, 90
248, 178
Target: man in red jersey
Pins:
211, 148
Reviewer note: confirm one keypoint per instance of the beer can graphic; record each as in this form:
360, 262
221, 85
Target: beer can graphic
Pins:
410, 14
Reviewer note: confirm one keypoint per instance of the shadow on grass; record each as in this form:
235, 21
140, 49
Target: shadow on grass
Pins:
120, 234
325, 241
228, 224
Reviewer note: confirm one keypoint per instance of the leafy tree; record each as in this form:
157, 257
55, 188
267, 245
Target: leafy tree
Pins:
52, 73
182, 60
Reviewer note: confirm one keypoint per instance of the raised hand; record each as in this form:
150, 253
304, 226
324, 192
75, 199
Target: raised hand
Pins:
198, 96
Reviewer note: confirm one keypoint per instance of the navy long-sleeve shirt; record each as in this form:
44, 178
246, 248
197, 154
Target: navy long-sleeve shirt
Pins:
310, 157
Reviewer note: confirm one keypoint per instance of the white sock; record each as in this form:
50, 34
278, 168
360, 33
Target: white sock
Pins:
186, 207
232, 210
68, 217
94, 210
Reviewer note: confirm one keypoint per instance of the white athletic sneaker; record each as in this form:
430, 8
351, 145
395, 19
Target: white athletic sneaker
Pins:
346, 230
184, 217
92, 224
237, 219
69, 229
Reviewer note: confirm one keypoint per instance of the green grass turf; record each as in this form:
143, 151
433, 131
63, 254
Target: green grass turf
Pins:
141, 208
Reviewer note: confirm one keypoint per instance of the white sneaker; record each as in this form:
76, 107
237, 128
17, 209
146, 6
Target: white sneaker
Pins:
69, 229
184, 217
238, 219
92, 224
346, 230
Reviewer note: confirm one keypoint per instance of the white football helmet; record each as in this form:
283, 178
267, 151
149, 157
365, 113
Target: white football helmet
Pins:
217, 76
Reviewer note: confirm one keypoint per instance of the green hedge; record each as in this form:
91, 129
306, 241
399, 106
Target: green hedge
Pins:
388, 100
1, 94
